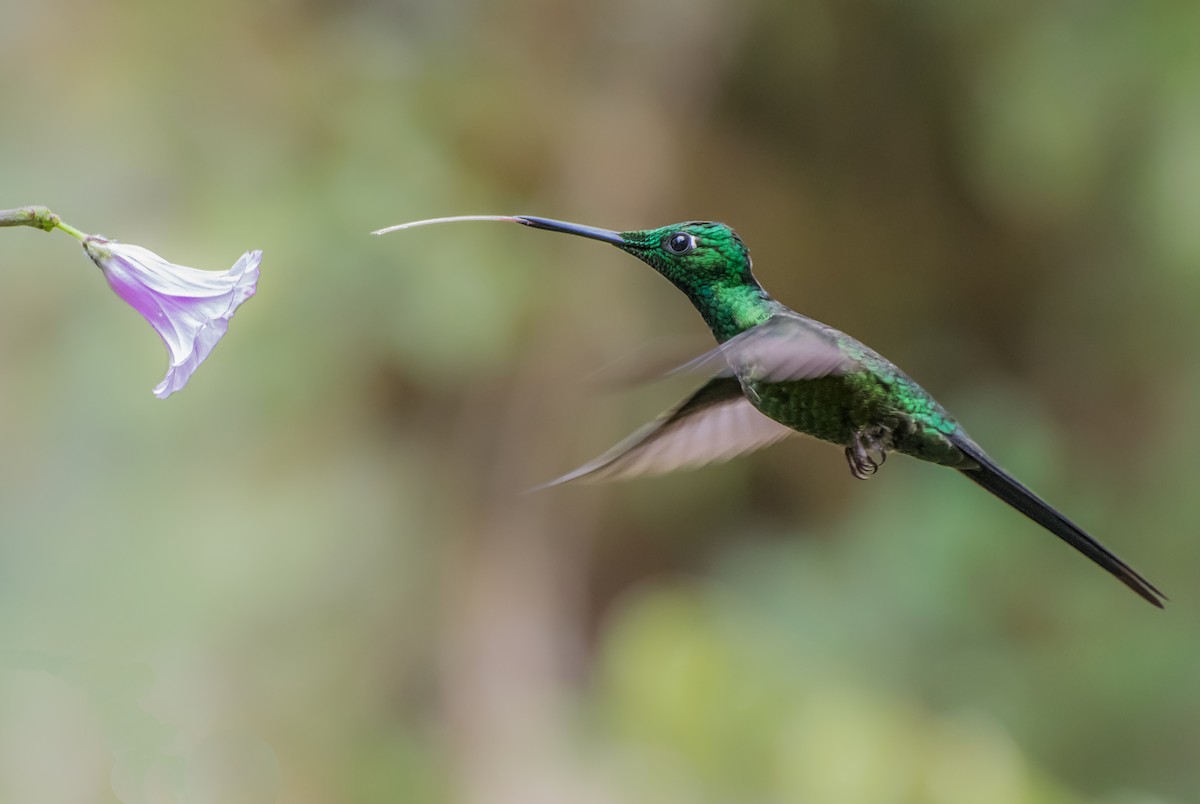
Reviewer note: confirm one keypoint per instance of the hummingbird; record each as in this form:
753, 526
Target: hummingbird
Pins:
775, 372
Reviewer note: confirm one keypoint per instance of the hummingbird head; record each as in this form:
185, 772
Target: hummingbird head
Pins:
698, 257
694, 255
704, 259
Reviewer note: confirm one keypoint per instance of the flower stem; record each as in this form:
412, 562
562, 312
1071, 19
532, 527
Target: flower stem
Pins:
72, 231
37, 217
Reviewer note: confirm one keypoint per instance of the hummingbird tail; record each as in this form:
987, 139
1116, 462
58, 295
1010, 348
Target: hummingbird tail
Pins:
1012, 491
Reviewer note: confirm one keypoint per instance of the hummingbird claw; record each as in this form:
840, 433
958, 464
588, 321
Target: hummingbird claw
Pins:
867, 453
861, 465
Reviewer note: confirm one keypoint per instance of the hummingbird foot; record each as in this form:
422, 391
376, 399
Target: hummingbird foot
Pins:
867, 453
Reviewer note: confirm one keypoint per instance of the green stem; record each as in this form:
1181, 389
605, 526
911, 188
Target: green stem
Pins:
72, 231
37, 217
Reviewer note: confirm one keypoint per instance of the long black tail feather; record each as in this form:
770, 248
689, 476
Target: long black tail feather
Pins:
1012, 491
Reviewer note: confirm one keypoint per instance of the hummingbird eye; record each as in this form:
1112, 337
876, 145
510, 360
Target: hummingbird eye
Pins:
680, 243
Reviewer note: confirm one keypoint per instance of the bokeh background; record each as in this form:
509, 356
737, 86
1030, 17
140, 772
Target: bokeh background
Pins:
312, 577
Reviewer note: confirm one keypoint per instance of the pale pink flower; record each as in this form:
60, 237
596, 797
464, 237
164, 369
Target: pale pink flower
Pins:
189, 309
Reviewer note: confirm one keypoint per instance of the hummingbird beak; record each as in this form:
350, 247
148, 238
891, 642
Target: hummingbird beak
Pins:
549, 225
537, 223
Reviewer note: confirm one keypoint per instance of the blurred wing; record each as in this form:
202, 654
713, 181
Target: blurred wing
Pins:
714, 424
647, 363
787, 346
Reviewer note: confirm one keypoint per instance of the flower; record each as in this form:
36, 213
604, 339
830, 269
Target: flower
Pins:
189, 309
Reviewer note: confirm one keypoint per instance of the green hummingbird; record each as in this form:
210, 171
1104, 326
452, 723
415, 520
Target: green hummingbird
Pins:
776, 372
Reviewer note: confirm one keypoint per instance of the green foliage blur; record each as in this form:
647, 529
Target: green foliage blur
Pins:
311, 576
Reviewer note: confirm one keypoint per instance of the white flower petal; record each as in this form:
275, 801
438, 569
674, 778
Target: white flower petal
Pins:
188, 308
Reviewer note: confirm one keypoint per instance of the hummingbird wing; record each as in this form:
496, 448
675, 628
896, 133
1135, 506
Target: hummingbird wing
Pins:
787, 346
646, 363
714, 424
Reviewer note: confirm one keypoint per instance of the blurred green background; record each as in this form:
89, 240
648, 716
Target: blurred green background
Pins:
311, 575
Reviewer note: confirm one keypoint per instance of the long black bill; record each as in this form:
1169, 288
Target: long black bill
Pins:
549, 225
537, 223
